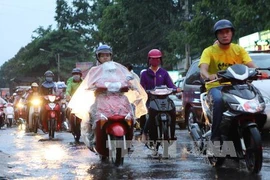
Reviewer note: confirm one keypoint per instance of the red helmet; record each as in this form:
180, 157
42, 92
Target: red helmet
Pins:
154, 53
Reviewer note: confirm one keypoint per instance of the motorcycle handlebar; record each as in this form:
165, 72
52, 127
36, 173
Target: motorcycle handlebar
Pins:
266, 69
208, 81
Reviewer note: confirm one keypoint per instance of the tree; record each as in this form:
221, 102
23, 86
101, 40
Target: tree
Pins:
132, 28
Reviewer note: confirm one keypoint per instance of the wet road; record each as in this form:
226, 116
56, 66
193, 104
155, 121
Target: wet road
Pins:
33, 156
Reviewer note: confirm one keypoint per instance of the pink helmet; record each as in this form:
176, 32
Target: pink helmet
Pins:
154, 53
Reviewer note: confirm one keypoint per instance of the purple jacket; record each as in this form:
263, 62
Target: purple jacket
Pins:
149, 79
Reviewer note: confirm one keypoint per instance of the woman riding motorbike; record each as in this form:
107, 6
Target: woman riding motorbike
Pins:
84, 100
152, 77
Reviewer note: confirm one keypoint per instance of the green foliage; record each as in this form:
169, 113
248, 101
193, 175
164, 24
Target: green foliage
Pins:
132, 28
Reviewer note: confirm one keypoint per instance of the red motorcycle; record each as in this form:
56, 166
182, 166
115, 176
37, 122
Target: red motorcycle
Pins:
52, 122
114, 128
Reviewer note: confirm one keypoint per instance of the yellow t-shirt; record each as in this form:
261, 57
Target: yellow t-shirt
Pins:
220, 59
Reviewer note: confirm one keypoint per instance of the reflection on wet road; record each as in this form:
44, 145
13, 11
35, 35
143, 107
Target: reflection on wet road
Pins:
36, 157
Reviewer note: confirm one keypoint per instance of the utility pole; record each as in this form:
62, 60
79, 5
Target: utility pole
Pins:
187, 46
57, 58
58, 67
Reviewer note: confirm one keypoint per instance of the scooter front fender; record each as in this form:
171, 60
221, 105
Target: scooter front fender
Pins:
116, 129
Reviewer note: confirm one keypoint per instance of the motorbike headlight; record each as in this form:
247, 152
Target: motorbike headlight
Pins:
36, 102
236, 107
249, 106
178, 108
253, 106
20, 105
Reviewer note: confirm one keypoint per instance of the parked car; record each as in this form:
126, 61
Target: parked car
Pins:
179, 109
192, 89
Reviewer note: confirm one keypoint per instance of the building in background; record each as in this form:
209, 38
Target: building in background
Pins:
259, 41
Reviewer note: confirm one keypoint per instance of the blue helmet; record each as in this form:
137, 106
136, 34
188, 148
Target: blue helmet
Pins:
103, 49
223, 24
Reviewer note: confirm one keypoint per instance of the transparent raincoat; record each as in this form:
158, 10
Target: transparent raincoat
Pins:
89, 102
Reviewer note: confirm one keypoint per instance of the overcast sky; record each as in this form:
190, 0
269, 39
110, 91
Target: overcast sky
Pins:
18, 20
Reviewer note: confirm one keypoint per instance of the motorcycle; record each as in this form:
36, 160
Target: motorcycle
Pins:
52, 122
114, 126
75, 127
20, 111
162, 110
34, 114
2, 115
9, 114
242, 120
63, 114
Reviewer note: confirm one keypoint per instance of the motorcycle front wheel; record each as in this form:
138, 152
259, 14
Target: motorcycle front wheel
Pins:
35, 123
166, 131
77, 129
117, 149
9, 122
216, 161
51, 128
253, 143
190, 119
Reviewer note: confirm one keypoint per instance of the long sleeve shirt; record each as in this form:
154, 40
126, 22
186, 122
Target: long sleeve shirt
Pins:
149, 79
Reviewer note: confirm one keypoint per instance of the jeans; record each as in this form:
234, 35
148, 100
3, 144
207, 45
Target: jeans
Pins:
217, 108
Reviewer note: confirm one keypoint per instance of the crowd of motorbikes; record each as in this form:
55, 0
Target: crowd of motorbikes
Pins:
242, 122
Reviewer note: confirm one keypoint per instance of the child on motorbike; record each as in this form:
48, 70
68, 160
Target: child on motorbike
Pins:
154, 76
106, 71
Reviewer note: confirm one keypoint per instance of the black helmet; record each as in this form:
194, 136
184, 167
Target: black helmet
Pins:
48, 74
103, 49
76, 71
223, 24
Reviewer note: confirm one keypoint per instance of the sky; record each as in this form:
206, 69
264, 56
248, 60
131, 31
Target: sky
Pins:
18, 20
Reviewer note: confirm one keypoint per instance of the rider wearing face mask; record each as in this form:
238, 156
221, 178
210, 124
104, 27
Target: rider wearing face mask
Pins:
47, 87
73, 82
154, 76
72, 85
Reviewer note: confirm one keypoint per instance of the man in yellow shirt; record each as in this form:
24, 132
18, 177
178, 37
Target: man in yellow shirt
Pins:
220, 56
